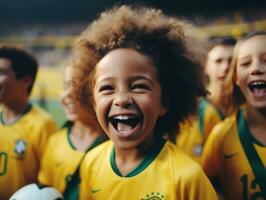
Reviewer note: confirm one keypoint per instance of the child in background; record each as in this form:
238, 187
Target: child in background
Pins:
219, 103
235, 152
66, 149
216, 68
24, 128
195, 131
135, 71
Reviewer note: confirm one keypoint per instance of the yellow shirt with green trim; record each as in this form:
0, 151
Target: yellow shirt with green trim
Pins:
165, 173
61, 160
193, 133
21, 147
224, 158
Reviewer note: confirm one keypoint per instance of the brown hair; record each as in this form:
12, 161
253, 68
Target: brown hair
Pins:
159, 37
22, 62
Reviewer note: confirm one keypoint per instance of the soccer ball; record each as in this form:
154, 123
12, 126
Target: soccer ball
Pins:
36, 192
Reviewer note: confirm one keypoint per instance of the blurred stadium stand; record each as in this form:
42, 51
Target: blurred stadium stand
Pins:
49, 29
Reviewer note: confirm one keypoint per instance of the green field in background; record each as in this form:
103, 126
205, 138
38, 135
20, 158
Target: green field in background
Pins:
54, 108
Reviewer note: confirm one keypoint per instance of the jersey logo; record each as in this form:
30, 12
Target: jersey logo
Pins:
95, 191
20, 148
231, 155
197, 151
153, 196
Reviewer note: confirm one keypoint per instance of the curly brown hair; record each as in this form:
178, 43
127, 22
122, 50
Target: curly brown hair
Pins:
161, 38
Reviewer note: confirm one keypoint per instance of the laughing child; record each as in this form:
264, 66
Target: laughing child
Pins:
235, 152
134, 70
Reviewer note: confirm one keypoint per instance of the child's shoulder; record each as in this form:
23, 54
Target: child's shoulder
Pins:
225, 127
59, 135
183, 167
178, 157
39, 114
100, 152
38, 118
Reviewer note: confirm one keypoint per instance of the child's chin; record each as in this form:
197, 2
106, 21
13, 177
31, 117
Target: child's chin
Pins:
125, 145
258, 103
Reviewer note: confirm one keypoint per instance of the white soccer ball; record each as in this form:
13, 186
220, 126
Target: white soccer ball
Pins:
36, 192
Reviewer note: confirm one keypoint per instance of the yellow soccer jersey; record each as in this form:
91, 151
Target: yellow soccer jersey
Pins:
166, 173
61, 159
193, 133
225, 157
21, 147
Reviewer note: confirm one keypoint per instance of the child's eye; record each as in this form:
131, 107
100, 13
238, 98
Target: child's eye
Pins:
140, 87
106, 89
244, 64
218, 61
2, 72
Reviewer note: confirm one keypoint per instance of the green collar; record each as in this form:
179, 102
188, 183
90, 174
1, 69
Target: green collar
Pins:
27, 109
243, 127
254, 160
96, 142
154, 151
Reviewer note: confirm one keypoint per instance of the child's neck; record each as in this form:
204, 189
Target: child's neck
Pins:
256, 120
11, 112
128, 159
221, 100
82, 136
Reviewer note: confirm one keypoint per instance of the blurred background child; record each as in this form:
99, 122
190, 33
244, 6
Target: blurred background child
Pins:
218, 103
24, 128
66, 149
235, 152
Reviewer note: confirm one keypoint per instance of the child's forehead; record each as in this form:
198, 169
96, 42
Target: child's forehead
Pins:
255, 44
6, 64
125, 62
220, 49
124, 55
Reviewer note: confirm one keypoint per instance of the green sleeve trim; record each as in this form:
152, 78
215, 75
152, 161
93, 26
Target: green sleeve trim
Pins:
155, 150
255, 162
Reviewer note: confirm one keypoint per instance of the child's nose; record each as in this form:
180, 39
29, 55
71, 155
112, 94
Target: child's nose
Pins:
123, 99
226, 66
258, 68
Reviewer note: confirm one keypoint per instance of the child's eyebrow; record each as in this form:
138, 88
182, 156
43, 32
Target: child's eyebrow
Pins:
244, 57
131, 79
142, 77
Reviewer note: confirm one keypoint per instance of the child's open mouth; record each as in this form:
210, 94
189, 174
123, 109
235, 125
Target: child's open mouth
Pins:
125, 124
258, 88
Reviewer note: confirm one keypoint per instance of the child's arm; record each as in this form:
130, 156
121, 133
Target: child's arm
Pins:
210, 160
44, 176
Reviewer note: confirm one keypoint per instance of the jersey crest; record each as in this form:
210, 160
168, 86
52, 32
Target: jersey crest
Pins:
153, 196
20, 148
